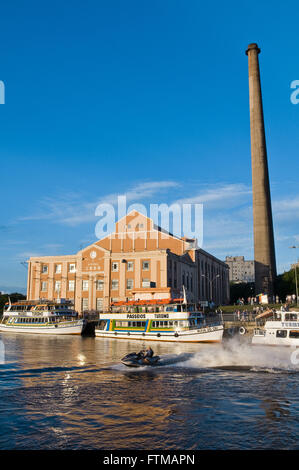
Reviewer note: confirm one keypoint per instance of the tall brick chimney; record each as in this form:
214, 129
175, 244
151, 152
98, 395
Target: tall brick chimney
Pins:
264, 250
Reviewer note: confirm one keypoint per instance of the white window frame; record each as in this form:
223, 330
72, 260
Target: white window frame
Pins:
131, 264
58, 268
143, 268
72, 267
99, 282
44, 286
57, 286
147, 281
114, 266
71, 282
131, 281
114, 281
85, 285
45, 269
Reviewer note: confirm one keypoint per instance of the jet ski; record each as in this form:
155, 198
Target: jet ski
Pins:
136, 360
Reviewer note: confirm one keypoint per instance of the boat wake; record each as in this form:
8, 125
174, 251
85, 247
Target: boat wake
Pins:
237, 355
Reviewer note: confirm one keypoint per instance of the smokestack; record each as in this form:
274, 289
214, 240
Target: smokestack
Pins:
264, 251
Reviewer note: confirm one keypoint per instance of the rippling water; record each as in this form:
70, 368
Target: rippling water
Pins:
73, 393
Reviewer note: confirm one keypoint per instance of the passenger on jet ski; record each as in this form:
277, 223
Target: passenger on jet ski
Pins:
145, 353
149, 352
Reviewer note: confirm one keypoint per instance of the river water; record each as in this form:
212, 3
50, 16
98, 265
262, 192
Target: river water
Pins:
72, 393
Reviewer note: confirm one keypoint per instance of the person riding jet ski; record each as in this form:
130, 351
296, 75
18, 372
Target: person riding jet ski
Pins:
145, 353
144, 357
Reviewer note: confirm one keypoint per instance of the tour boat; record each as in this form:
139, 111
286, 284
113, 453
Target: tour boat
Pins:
159, 320
280, 329
44, 317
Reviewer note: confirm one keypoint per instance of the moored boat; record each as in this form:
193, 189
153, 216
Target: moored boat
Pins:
46, 317
159, 320
280, 329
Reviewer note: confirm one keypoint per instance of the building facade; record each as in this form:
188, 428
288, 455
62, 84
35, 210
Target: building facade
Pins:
240, 270
137, 261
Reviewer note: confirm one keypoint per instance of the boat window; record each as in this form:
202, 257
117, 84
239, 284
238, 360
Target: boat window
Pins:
294, 334
102, 324
281, 333
290, 316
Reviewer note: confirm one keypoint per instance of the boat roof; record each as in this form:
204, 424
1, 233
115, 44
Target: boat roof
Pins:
147, 302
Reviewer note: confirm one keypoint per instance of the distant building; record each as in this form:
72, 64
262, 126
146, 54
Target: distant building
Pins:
240, 270
138, 261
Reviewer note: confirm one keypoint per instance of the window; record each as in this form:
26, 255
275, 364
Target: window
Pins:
58, 268
146, 283
291, 316
72, 268
130, 265
100, 284
114, 266
85, 285
145, 265
294, 334
100, 305
44, 286
57, 286
84, 304
71, 285
130, 283
281, 333
44, 268
114, 284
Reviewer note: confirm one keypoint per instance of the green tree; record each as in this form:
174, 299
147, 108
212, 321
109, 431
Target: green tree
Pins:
14, 297
285, 284
241, 290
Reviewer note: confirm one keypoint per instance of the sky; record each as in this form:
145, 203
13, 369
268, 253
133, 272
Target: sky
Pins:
147, 100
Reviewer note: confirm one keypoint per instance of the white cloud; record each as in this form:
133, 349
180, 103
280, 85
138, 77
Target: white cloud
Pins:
286, 209
219, 196
70, 210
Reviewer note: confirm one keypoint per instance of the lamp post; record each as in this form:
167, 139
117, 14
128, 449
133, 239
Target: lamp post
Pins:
211, 283
294, 247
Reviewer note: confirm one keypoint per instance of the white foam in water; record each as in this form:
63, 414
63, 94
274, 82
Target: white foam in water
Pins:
235, 353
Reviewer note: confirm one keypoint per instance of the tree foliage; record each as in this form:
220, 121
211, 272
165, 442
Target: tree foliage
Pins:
13, 298
285, 284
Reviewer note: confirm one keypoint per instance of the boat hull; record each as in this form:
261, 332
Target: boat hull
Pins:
62, 329
272, 341
211, 334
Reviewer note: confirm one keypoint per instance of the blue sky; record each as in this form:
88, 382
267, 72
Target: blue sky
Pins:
107, 98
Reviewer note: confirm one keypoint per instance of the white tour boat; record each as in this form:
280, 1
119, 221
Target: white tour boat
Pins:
159, 320
281, 329
43, 317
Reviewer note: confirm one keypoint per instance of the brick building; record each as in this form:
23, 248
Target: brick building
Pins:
138, 261
240, 270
